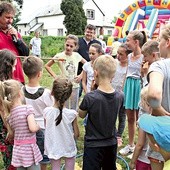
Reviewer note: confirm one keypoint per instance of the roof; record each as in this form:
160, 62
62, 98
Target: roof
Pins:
35, 27
48, 11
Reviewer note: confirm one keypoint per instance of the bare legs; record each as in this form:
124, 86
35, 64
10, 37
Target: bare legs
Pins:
131, 117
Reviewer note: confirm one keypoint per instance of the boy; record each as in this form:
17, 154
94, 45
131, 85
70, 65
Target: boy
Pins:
38, 97
102, 106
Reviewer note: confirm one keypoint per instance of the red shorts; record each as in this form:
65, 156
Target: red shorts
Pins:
142, 166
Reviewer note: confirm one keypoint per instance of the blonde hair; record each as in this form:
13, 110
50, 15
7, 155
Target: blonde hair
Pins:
165, 31
9, 91
144, 102
150, 47
106, 66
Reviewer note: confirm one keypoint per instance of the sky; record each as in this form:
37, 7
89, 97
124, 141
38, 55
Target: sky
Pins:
110, 7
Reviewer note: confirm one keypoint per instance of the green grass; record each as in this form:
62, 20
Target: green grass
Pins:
46, 81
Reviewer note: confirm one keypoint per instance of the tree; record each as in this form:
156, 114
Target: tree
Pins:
75, 19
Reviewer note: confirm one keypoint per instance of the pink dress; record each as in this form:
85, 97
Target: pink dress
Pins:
25, 151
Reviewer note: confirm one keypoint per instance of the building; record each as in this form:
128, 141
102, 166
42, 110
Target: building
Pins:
49, 20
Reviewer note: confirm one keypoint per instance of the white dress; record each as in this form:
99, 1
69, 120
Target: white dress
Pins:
59, 140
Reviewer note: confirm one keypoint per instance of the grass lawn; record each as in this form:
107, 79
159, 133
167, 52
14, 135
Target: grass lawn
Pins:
47, 82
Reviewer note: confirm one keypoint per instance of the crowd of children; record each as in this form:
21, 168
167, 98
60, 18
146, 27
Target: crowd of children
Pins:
39, 126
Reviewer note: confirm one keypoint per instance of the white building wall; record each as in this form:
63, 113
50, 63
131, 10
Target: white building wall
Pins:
52, 24
99, 19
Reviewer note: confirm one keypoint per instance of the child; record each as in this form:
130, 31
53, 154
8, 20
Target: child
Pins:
118, 82
7, 66
38, 97
132, 87
139, 161
26, 153
61, 127
102, 106
158, 88
68, 61
95, 51
150, 51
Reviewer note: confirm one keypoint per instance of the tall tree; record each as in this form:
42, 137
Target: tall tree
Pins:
75, 19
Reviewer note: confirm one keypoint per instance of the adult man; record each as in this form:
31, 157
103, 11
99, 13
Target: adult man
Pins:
84, 44
35, 45
10, 39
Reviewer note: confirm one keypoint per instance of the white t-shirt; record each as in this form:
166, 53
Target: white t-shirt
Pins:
90, 75
69, 67
118, 79
36, 46
40, 103
59, 140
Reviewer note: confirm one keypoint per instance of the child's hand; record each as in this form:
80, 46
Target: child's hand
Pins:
10, 137
131, 165
78, 78
144, 68
93, 85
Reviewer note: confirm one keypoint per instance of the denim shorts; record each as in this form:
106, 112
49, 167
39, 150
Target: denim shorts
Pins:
40, 143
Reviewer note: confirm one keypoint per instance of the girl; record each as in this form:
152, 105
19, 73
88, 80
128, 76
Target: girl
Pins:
7, 66
68, 61
95, 51
25, 154
135, 40
118, 82
61, 127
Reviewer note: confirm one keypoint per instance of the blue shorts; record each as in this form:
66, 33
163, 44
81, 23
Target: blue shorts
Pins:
40, 143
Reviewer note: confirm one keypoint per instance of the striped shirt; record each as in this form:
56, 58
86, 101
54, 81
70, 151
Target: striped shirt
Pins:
25, 154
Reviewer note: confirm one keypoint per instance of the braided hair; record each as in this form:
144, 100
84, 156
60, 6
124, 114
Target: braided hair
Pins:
61, 90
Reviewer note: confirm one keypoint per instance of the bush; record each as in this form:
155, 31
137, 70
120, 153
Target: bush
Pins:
50, 45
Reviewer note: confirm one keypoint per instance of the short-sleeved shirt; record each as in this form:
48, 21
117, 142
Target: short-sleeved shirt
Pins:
59, 140
6, 42
69, 66
87, 67
36, 46
39, 104
26, 154
163, 67
102, 109
119, 78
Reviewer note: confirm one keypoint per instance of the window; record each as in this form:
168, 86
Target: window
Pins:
109, 32
45, 32
19, 30
90, 14
25, 32
60, 32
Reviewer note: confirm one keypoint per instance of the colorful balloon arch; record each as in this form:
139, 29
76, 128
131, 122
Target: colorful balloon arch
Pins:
133, 7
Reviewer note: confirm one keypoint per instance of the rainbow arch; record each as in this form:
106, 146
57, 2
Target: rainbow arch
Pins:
133, 7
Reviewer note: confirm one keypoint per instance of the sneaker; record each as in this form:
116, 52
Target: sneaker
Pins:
130, 156
127, 149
